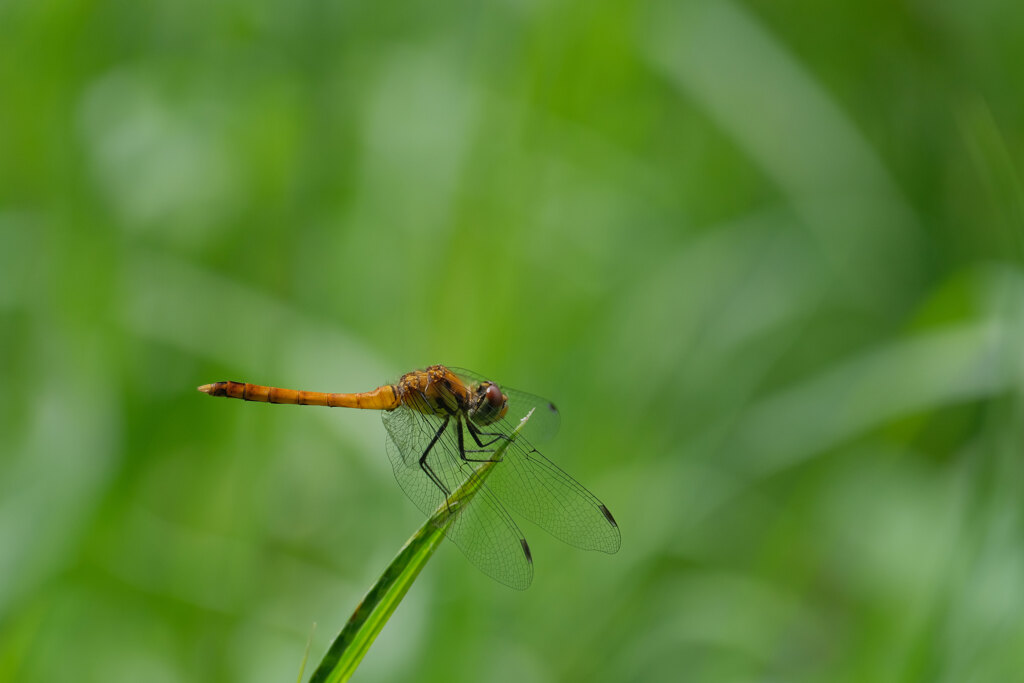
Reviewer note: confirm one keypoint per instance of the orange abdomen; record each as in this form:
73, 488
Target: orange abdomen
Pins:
381, 398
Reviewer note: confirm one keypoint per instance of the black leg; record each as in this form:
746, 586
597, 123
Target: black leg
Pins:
423, 458
462, 447
476, 434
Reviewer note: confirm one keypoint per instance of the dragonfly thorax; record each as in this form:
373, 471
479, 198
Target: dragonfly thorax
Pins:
439, 391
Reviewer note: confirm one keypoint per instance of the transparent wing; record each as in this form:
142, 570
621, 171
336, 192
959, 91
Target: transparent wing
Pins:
539, 490
544, 422
483, 530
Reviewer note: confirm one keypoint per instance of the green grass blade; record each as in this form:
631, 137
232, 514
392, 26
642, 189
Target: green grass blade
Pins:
377, 606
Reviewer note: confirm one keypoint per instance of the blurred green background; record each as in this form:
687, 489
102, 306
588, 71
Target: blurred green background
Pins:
766, 257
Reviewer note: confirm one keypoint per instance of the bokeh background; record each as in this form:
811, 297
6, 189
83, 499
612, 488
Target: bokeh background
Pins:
766, 256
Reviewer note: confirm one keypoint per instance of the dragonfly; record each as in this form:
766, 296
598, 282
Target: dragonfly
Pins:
444, 422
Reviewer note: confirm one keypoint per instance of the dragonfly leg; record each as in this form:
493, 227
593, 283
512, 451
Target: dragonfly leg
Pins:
462, 445
423, 458
476, 434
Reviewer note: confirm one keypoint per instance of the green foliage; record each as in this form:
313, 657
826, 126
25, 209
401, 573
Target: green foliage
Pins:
382, 600
764, 256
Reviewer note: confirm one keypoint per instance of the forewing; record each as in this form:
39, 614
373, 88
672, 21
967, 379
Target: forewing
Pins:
539, 490
483, 529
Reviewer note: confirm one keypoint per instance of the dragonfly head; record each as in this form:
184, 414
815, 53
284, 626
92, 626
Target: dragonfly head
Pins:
487, 404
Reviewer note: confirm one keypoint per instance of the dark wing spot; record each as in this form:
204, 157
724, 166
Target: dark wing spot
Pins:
552, 408
526, 550
608, 515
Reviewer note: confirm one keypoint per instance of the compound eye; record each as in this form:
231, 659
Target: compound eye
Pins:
494, 396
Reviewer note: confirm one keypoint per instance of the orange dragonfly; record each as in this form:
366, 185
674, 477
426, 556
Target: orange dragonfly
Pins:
441, 422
